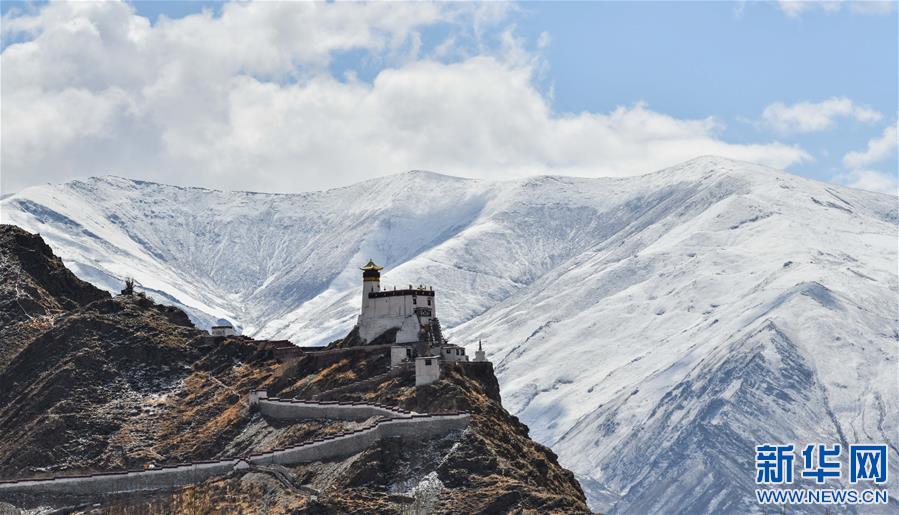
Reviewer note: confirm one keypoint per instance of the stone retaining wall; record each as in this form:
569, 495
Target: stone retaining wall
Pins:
359, 349
167, 477
296, 409
170, 477
346, 444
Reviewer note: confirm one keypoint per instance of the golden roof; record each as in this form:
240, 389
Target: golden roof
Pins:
371, 266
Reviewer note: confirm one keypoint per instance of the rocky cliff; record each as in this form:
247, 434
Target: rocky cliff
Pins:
91, 382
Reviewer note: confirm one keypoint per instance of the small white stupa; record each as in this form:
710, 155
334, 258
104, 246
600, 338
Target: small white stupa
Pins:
479, 354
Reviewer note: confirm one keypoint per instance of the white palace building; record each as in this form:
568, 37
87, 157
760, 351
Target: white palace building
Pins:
412, 314
408, 311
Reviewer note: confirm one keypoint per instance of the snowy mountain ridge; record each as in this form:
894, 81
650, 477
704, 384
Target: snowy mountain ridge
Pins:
651, 329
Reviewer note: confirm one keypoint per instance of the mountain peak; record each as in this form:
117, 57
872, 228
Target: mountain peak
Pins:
709, 166
429, 175
602, 299
713, 162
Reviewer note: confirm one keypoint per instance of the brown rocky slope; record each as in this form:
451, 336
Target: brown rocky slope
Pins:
94, 382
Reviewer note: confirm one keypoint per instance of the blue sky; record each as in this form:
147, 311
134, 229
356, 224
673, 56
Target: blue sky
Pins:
712, 58
702, 73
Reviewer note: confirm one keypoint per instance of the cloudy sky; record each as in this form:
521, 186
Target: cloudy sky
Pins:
288, 97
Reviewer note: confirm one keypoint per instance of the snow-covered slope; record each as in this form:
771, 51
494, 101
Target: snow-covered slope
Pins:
652, 330
266, 262
741, 307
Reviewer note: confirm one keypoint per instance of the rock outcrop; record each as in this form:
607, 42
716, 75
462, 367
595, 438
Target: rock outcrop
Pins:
93, 383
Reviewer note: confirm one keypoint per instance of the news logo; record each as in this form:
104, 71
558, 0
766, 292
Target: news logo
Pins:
868, 463
867, 468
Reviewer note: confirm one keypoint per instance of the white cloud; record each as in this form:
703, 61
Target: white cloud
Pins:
544, 40
871, 180
879, 149
873, 7
795, 8
815, 116
246, 100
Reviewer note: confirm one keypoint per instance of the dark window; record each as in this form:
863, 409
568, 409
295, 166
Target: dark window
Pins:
429, 302
409, 353
414, 301
447, 351
427, 362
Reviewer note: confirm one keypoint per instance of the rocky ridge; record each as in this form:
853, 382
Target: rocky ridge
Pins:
108, 383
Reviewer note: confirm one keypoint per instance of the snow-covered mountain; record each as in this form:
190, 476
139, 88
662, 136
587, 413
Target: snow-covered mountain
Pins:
652, 329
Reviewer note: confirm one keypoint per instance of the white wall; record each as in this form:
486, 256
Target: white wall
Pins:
390, 306
398, 305
222, 331
398, 354
291, 409
380, 314
427, 370
453, 354
367, 287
